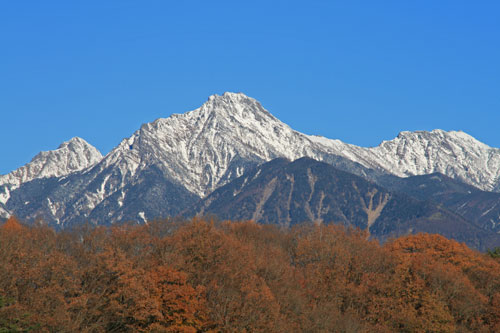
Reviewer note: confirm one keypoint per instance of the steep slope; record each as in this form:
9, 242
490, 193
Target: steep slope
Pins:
194, 153
286, 193
71, 156
455, 154
428, 186
205, 148
83, 197
4, 213
480, 207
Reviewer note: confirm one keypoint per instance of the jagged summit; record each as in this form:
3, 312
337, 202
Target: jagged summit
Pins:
209, 145
205, 147
232, 104
74, 141
452, 153
194, 153
73, 155
228, 95
439, 133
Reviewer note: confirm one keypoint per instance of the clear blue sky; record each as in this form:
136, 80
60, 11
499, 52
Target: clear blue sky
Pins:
359, 71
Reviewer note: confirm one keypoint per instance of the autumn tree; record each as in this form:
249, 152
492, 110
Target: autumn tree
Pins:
201, 276
467, 281
238, 299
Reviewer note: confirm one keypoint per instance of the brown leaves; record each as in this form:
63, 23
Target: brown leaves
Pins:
12, 225
464, 280
179, 307
202, 276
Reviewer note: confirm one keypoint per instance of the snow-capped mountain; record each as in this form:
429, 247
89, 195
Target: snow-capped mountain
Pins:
204, 148
176, 160
455, 154
71, 156
4, 213
284, 193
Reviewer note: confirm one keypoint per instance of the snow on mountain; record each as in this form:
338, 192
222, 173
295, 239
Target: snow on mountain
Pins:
204, 148
455, 154
195, 153
201, 145
198, 151
4, 213
71, 156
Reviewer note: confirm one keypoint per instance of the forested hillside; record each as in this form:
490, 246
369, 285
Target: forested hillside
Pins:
198, 276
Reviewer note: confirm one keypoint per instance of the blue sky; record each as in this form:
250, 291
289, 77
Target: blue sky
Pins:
358, 71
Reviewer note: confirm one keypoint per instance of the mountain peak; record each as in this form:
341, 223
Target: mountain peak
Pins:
421, 133
453, 153
203, 149
73, 155
75, 141
233, 96
231, 109
230, 102
459, 136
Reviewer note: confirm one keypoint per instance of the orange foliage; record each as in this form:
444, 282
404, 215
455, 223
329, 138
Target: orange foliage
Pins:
12, 224
466, 281
204, 276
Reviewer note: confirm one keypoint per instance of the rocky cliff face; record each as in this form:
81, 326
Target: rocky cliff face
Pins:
190, 155
71, 156
204, 148
286, 193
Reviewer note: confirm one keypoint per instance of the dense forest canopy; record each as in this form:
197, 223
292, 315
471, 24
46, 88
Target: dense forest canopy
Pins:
207, 276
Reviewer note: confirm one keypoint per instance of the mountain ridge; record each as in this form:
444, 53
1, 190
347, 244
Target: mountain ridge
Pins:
286, 193
71, 156
192, 154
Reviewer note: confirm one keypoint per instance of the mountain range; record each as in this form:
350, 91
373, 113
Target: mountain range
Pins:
194, 163
285, 193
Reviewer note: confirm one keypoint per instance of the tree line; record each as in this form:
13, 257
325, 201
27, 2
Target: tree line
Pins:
207, 276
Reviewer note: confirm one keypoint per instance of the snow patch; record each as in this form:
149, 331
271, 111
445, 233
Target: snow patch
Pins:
197, 148
121, 198
71, 156
5, 195
142, 216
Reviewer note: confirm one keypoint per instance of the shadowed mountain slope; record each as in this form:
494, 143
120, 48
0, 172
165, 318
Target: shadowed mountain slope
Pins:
286, 193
